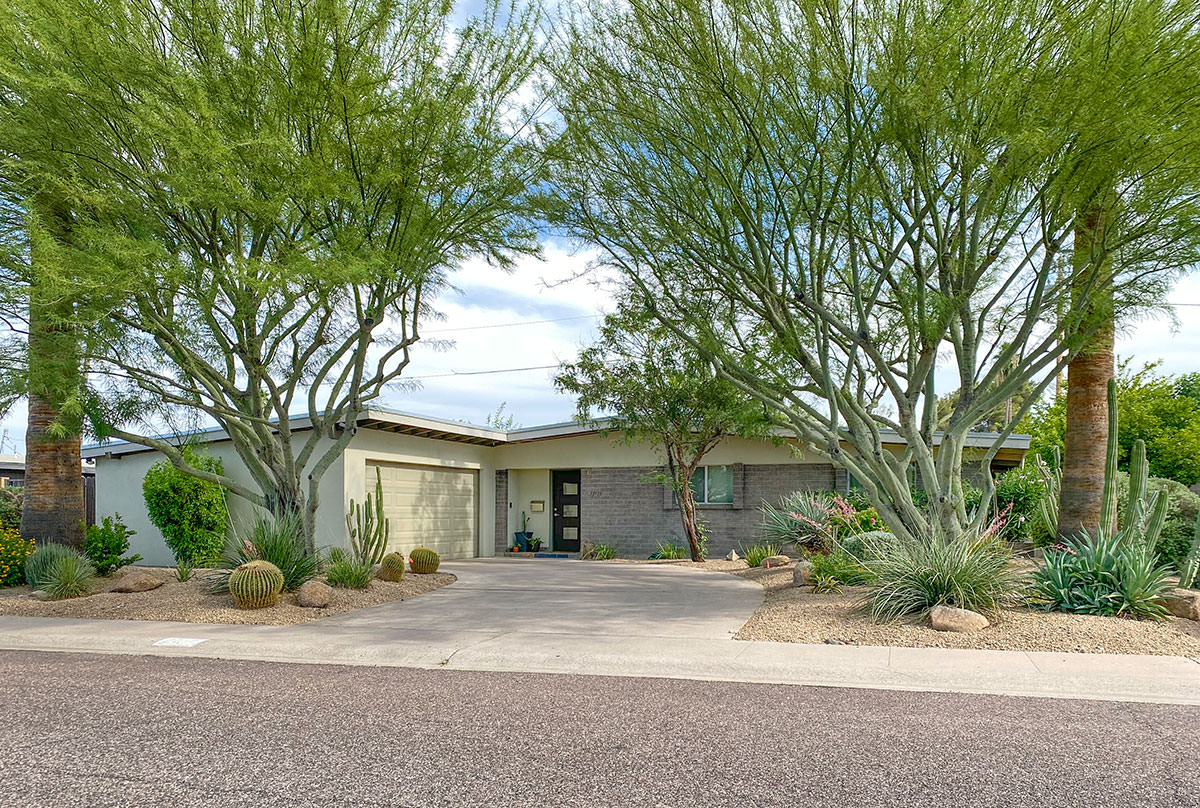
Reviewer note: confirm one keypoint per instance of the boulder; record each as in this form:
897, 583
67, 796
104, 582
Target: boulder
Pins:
802, 575
948, 618
136, 580
732, 556
314, 595
1183, 603
776, 561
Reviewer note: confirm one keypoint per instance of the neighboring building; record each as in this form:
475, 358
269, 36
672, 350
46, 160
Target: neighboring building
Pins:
12, 475
463, 489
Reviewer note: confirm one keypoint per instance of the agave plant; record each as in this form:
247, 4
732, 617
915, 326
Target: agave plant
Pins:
1104, 575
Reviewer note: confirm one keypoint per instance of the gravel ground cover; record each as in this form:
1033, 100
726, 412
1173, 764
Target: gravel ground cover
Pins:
796, 614
188, 602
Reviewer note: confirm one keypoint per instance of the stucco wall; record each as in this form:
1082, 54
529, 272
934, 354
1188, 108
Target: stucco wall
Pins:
119, 490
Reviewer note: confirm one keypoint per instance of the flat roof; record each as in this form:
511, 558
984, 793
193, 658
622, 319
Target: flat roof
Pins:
405, 423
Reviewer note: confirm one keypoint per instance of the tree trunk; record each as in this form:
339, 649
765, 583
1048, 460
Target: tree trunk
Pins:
691, 526
1086, 445
54, 504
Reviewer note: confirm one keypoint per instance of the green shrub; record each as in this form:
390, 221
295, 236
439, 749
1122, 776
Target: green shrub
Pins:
279, 540
190, 512
348, 572
67, 576
840, 567
670, 550
602, 552
39, 562
1183, 506
1023, 488
184, 570
11, 501
755, 553
105, 542
908, 577
803, 518
13, 552
1102, 575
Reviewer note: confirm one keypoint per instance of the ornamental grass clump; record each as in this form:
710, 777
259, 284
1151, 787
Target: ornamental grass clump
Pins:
755, 553
277, 540
40, 562
803, 518
347, 571
908, 577
68, 576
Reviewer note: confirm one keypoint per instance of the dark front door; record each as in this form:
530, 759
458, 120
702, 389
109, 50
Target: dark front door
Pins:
566, 510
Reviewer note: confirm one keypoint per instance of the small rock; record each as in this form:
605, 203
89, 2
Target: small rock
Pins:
802, 575
948, 618
732, 556
1183, 603
38, 594
137, 581
314, 595
776, 561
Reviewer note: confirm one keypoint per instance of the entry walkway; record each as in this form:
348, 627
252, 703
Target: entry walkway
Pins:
616, 620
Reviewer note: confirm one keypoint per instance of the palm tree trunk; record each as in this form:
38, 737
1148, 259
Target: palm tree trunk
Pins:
1086, 446
54, 502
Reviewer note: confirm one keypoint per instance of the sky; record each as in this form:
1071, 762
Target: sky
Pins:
480, 320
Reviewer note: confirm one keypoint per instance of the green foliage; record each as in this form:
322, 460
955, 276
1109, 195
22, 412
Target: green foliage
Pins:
105, 543
1103, 575
184, 570
826, 585
39, 562
391, 568
13, 552
255, 584
908, 577
669, 550
279, 541
1183, 508
424, 561
190, 512
369, 527
67, 576
347, 571
1025, 489
1154, 408
1190, 567
11, 501
601, 552
755, 553
839, 566
803, 518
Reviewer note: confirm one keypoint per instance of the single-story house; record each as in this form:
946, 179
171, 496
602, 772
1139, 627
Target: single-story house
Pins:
464, 490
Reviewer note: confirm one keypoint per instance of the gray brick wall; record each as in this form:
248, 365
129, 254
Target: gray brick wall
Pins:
621, 506
501, 511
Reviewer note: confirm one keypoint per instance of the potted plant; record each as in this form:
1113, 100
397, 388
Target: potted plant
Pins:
524, 534
533, 544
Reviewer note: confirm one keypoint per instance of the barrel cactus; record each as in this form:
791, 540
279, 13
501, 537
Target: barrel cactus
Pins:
391, 568
423, 561
256, 584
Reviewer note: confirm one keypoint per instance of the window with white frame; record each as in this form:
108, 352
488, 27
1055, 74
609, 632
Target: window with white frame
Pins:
713, 485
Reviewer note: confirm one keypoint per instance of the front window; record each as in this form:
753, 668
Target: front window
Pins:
713, 485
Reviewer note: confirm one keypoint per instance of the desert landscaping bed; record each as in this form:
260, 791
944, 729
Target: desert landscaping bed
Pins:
188, 602
797, 614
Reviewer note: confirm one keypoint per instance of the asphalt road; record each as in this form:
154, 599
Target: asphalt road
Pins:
95, 730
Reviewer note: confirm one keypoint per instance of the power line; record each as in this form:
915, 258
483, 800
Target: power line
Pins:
514, 324
479, 372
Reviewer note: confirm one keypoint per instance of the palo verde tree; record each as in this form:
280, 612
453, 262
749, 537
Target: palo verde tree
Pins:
837, 203
656, 388
285, 187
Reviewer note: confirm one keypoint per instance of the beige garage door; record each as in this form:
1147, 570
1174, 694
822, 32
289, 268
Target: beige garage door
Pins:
434, 506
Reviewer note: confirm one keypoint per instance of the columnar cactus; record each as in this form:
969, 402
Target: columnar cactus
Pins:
1191, 564
423, 561
368, 526
392, 567
256, 584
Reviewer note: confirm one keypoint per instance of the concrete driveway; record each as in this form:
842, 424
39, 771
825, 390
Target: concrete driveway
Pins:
497, 597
